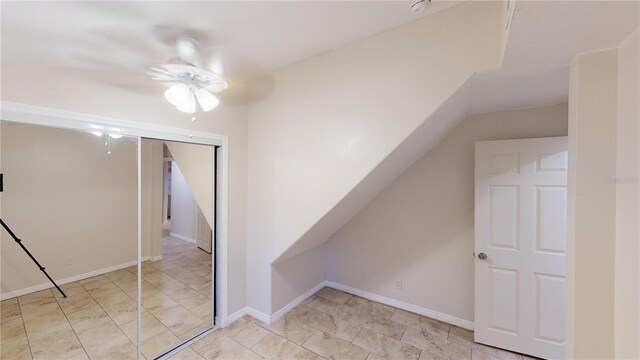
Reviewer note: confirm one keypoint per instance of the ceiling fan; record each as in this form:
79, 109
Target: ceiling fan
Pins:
187, 81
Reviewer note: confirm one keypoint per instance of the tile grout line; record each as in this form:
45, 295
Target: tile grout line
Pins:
284, 338
69, 322
373, 314
105, 311
169, 295
322, 331
354, 339
167, 328
178, 280
24, 326
135, 344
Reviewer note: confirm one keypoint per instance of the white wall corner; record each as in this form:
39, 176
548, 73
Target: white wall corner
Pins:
247, 311
465, 324
297, 301
236, 315
269, 319
265, 318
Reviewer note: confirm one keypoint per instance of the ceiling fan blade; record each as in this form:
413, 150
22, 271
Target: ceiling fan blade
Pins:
163, 77
187, 48
195, 60
159, 70
216, 87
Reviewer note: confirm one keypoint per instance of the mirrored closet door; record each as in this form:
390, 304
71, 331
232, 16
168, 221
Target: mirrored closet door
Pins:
69, 215
178, 244
88, 218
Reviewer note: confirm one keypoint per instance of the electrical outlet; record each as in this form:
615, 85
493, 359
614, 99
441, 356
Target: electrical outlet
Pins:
399, 284
68, 260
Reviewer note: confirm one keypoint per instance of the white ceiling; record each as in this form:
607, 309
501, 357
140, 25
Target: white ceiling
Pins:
543, 39
247, 40
114, 42
548, 34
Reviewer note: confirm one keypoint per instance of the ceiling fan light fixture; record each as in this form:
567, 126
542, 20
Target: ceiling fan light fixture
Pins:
187, 82
178, 94
189, 105
206, 100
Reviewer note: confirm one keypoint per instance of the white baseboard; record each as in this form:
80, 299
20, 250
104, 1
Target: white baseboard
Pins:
247, 311
237, 315
290, 306
182, 237
156, 258
47, 285
269, 319
265, 318
465, 324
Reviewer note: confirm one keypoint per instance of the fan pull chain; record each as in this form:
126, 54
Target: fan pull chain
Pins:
193, 120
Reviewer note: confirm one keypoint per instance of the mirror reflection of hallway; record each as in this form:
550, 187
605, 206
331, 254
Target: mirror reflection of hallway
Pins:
177, 218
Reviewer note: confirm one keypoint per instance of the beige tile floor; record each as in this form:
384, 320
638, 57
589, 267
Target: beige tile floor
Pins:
97, 320
335, 325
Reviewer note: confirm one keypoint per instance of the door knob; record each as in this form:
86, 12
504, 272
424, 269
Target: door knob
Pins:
482, 256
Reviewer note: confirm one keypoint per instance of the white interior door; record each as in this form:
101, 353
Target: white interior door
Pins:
520, 245
203, 237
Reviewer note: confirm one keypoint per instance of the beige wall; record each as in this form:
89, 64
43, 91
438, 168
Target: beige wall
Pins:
420, 229
65, 197
196, 165
591, 249
184, 208
295, 276
627, 253
319, 127
604, 204
152, 182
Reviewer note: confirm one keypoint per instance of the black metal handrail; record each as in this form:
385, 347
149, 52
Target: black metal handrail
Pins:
19, 241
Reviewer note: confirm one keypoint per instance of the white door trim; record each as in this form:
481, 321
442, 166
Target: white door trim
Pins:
38, 115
